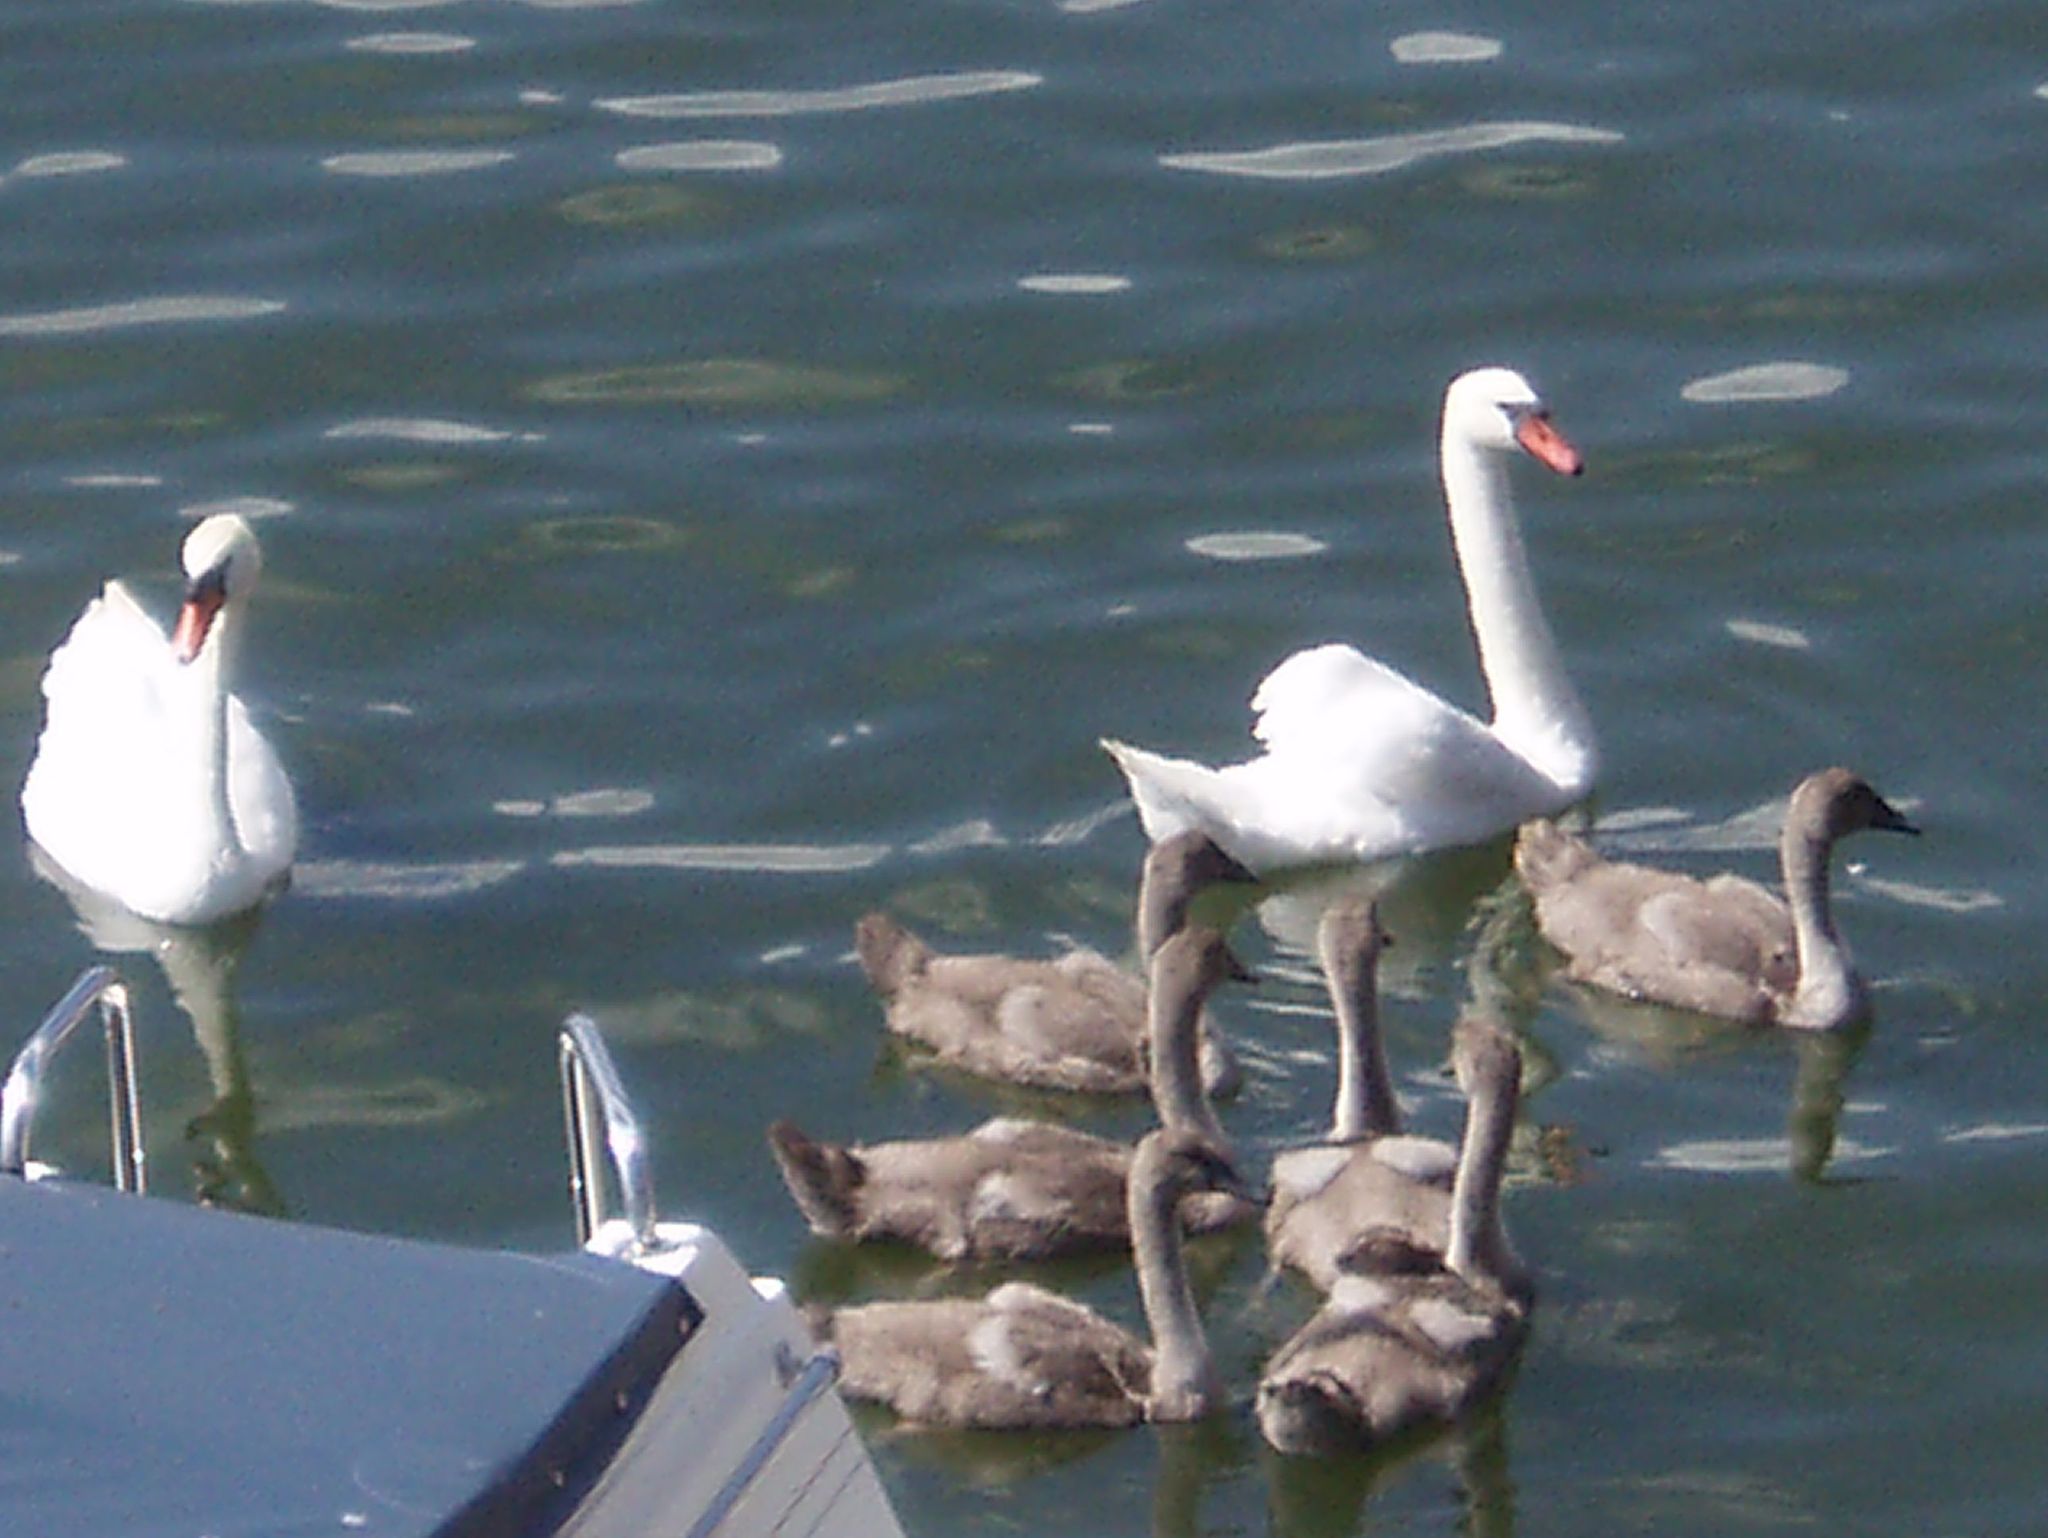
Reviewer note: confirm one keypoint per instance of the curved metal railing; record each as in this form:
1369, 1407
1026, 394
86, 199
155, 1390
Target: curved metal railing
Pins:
21, 1096
602, 1129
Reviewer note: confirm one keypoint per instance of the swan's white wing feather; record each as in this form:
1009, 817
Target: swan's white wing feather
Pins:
118, 769
1377, 733
1361, 763
111, 693
260, 795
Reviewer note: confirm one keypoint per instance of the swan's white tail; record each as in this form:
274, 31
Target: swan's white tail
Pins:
1173, 795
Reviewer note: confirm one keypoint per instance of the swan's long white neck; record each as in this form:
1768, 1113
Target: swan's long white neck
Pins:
1829, 990
1536, 712
1365, 1105
210, 672
1184, 1380
1478, 1248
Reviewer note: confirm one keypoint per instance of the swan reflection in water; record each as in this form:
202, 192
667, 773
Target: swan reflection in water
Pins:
199, 966
1671, 1040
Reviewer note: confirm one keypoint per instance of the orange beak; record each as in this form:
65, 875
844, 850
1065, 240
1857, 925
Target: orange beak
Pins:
1546, 443
203, 600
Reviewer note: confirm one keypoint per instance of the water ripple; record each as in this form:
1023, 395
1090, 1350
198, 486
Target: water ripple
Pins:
409, 43
384, 163
1749, 1156
1256, 545
602, 801
67, 163
764, 859
1444, 48
1074, 283
1916, 894
422, 882
913, 91
381, 6
112, 480
1318, 160
1763, 633
703, 155
171, 309
1788, 380
417, 430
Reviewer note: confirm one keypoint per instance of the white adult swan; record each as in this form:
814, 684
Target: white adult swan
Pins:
1361, 763
150, 783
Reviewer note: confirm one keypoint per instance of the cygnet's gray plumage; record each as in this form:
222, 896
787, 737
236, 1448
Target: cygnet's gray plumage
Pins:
1015, 1189
1408, 1338
1026, 1357
1075, 1023
1724, 946
1367, 1176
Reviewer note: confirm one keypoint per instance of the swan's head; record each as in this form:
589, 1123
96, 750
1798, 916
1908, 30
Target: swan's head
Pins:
1496, 408
1176, 1162
222, 562
1836, 802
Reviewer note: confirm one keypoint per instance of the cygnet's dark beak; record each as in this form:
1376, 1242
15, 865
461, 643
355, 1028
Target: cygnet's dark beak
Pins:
1890, 819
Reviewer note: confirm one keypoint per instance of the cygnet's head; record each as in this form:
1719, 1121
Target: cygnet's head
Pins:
223, 563
1837, 802
1179, 1161
1496, 408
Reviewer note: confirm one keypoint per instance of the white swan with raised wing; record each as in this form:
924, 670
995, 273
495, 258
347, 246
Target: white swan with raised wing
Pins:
151, 784
1360, 762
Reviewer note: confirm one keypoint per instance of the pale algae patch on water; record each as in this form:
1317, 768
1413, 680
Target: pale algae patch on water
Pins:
1319, 243
954, 907
649, 202
595, 534
723, 384
1136, 380
415, 1101
1530, 182
743, 1019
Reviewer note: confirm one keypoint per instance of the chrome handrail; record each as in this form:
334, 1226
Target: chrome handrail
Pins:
594, 1098
22, 1094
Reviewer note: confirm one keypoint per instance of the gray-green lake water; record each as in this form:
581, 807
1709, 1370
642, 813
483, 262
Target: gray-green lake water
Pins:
722, 466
